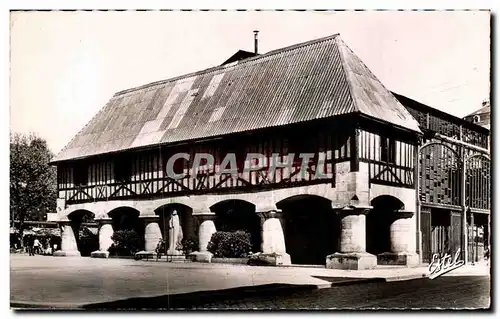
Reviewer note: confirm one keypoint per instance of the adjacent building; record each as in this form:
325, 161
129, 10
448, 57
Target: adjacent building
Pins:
454, 176
482, 116
352, 203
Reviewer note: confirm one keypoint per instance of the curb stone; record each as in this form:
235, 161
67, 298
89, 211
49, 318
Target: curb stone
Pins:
406, 277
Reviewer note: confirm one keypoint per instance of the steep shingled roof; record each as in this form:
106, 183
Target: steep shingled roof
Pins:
483, 110
312, 80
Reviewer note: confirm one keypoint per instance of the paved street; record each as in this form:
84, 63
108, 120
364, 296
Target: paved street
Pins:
444, 292
85, 282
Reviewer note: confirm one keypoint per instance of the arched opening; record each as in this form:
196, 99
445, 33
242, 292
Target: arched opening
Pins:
129, 228
234, 215
312, 229
189, 225
378, 223
85, 230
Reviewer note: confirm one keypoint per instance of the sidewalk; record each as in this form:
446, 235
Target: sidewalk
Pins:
395, 273
481, 268
387, 273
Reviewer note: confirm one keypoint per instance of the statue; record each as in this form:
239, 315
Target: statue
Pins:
174, 234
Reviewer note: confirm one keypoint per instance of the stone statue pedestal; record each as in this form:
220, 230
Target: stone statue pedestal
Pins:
170, 258
175, 253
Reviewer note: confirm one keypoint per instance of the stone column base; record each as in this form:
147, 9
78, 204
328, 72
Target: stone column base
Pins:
351, 261
405, 259
67, 253
271, 259
202, 257
99, 254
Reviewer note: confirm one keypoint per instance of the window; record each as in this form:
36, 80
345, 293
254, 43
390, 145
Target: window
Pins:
123, 170
387, 150
475, 119
81, 174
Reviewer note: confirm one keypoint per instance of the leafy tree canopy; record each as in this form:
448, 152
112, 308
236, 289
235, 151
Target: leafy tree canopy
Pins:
33, 181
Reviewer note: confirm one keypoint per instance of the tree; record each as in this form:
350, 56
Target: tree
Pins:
33, 190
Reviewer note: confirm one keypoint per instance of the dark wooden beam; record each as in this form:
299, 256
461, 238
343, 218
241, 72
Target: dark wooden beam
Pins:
355, 150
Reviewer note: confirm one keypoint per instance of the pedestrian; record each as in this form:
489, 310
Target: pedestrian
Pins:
30, 246
36, 246
159, 249
48, 244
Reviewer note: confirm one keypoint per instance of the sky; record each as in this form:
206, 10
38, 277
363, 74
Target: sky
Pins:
65, 66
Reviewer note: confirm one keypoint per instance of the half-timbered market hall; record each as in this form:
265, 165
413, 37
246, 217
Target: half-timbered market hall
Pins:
350, 175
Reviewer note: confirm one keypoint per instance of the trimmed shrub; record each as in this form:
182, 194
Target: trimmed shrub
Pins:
125, 243
230, 244
189, 245
161, 247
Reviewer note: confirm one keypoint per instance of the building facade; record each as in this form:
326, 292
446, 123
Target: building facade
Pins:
335, 182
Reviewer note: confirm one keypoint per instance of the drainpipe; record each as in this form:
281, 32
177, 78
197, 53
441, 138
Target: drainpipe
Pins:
462, 197
464, 210
418, 203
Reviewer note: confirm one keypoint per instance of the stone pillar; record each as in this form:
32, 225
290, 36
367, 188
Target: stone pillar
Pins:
152, 232
352, 253
205, 232
403, 243
68, 240
105, 241
273, 238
